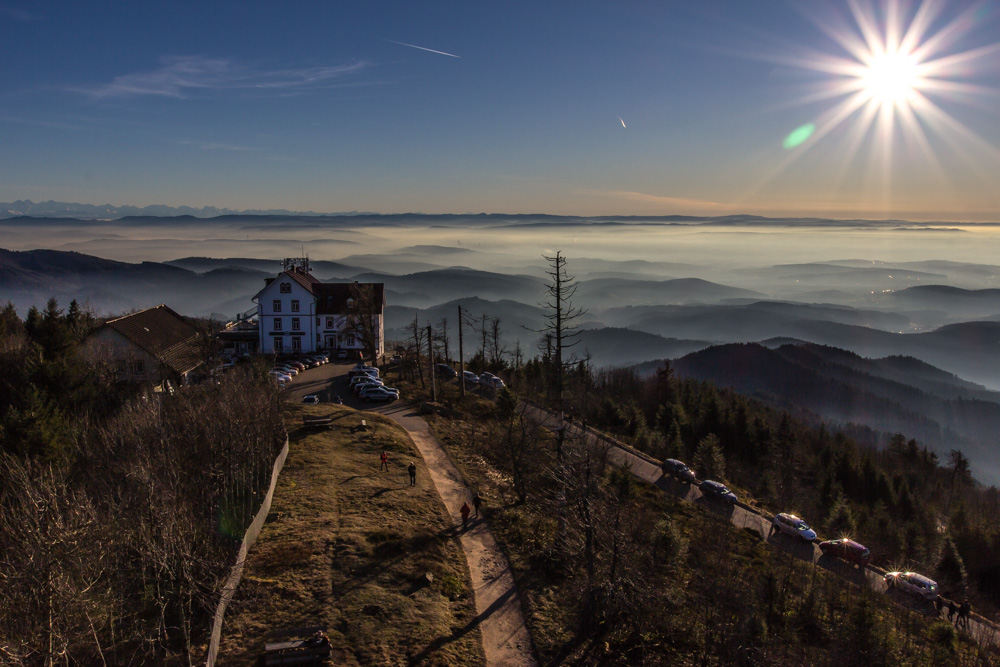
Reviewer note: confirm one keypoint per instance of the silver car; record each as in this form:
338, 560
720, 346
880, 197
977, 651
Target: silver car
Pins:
789, 524
913, 583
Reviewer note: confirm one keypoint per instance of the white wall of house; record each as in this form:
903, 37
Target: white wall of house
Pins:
287, 317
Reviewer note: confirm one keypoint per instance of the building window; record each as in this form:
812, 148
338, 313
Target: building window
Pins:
329, 323
138, 367
296, 324
317, 339
296, 344
286, 288
349, 339
279, 344
295, 305
277, 324
276, 305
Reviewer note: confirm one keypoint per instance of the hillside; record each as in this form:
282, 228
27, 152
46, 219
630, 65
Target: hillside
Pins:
886, 395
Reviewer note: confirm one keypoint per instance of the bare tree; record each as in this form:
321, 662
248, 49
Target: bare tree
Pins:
496, 347
559, 330
443, 340
364, 322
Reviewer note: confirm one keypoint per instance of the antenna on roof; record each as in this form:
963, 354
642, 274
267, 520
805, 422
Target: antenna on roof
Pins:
296, 264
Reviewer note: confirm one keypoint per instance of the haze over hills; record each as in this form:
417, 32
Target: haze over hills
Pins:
891, 395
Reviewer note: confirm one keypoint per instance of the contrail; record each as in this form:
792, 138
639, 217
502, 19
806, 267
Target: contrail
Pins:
623, 122
414, 46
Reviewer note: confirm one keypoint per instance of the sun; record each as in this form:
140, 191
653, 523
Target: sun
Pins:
891, 78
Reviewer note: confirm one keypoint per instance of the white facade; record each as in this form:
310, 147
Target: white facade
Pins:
294, 318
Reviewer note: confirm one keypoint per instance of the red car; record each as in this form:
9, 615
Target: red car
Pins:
848, 550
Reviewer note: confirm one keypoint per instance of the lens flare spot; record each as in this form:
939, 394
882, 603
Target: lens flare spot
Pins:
798, 136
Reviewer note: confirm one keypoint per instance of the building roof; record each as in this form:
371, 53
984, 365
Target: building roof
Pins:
163, 334
331, 298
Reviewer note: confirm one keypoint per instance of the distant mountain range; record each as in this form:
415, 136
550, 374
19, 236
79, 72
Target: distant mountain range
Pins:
59, 209
55, 209
893, 394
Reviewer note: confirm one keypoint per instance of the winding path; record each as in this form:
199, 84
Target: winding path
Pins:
506, 641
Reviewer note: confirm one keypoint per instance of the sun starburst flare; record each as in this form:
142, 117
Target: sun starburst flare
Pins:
903, 64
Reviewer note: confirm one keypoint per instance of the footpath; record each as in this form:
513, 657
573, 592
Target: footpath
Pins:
506, 641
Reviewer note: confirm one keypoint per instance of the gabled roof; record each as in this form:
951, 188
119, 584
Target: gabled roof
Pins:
163, 334
331, 298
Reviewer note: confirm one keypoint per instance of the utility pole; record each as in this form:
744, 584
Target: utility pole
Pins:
430, 355
461, 354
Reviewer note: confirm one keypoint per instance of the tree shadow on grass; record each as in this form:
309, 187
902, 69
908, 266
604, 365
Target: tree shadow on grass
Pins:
458, 633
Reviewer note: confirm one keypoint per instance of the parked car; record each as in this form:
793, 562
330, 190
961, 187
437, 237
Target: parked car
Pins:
281, 377
789, 524
287, 370
364, 379
486, 378
913, 583
379, 394
470, 377
497, 383
367, 372
679, 470
361, 386
445, 371
717, 490
380, 387
296, 364
849, 550
310, 399
396, 358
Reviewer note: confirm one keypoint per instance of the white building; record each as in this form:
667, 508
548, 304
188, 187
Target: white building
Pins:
298, 313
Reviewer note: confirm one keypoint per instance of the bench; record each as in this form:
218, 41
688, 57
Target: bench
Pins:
317, 421
294, 647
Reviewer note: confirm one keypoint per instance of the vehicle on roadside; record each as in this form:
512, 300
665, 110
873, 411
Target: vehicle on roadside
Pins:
849, 550
679, 470
361, 386
366, 371
789, 524
310, 399
913, 583
497, 383
308, 362
717, 491
396, 358
364, 379
380, 387
296, 364
470, 377
281, 377
445, 371
486, 378
287, 370
379, 394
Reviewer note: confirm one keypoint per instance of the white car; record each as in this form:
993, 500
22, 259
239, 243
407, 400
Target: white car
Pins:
497, 383
310, 399
913, 583
287, 370
789, 524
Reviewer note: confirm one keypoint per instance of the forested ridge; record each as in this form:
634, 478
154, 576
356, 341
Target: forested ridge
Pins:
120, 507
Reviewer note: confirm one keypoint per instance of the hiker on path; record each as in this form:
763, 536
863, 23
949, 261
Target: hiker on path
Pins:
465, 516
951, 610
412, 469
476, 502
385, 462
963, 614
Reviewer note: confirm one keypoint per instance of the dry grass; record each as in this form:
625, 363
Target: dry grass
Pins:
348, 551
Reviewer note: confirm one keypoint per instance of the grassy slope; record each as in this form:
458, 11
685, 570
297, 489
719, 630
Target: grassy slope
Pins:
346, 551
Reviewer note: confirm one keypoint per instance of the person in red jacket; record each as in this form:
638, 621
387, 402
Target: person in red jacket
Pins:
385, 462
465, 516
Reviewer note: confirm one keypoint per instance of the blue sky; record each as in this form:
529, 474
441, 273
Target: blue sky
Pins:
321, 106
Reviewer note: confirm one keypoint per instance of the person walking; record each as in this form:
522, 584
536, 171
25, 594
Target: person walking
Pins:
963, 614
477, 500
385, 461
465, 516
951, 611
412, 469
